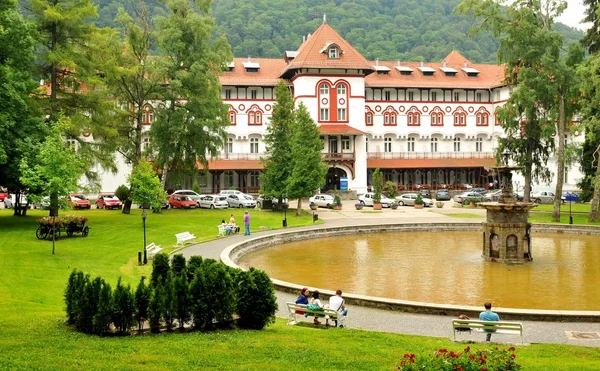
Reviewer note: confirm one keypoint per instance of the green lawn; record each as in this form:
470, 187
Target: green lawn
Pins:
581, 219
576, 208
33, 336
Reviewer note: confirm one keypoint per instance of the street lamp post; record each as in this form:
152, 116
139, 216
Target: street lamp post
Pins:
144, 215
570, 198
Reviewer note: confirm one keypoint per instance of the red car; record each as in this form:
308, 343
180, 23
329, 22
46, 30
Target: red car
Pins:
108, 201
79, 201
181, 202
3, 193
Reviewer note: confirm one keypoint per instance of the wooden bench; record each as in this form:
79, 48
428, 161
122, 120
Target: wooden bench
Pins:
499, 327
183, 237
152, 250
301, 309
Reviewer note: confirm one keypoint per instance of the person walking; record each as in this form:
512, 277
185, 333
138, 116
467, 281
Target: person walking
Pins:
488, 315
247, 224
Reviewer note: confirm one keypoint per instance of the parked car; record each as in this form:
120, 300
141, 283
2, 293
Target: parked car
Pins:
10, 201
492, 196
260, 201
108, 201
214, 202
479, 190
3, 193
178, 201
44, 203
227, 192
367, 200
241, 201
478, 197
322, 200
409, 199
570, 197
79, 201
442, 195
545, 197
425, 193
188, 192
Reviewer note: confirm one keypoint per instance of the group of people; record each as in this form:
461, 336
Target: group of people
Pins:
313, 302
232, 227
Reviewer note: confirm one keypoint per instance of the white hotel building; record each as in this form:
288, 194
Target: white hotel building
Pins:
422, 124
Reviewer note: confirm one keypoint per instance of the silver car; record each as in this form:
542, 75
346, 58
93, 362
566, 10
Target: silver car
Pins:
241, 201
214, 202
410, 198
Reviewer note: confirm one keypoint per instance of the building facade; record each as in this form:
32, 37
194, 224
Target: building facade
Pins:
423, 124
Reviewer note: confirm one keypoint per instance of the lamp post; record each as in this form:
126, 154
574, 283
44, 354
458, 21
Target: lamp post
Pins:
570, 198
144, 215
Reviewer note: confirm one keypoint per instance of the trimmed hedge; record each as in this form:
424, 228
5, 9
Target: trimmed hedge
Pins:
201, 292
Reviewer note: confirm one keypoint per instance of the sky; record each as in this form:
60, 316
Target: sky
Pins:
574, 14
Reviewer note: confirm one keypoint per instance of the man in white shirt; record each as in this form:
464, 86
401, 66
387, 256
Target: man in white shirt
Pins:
337, 303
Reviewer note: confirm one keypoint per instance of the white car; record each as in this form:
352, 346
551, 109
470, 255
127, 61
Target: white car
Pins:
322, 200
214, 202
545, 197
241, 201
410, 198
9, 201
191, 194
227, 192
367, 200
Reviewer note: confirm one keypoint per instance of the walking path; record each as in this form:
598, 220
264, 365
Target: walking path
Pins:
406, 323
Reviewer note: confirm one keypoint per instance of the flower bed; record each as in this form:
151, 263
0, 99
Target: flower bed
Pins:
62, 221
443, 359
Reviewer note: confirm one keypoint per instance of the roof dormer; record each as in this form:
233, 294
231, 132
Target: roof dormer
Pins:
332, 50
471, 72
404, 70
251, 66
448, 71
426, 71
381, 70
230, 66
290, 55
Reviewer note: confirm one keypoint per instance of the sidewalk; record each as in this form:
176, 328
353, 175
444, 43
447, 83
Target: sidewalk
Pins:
407, 323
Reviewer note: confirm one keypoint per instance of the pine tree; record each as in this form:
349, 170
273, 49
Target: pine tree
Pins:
156, 308
181, 289
142, 300
277, 170
160, 268
591, 40
123, 307
178, 265
256, 301
103, 316
169, 310
308, 168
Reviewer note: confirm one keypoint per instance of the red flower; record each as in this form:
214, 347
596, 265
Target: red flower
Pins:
512, 349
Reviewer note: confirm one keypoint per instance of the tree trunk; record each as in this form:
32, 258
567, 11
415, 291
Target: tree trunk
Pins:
299, 208
127, 207
594, 210
54, 204
560, 159
163, 180
527, 178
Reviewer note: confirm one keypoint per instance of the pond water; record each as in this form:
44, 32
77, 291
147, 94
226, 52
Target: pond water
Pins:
443, 268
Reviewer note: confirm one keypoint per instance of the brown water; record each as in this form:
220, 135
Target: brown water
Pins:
443, 268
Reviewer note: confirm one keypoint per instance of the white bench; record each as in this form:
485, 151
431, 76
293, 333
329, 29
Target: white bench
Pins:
495, 327
152, 250
222, 231
301, 309
183, 237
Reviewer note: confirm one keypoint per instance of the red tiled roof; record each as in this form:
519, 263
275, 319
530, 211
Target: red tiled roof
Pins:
339, 129
267, 75
430, 163
490, 75
234, 165
311, 53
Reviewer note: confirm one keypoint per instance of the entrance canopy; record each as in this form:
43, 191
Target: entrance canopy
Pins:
427, 163
339, 130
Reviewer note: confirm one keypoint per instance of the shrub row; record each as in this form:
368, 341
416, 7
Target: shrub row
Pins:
200, 292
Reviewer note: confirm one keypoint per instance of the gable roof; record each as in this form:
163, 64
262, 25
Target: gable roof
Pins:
313, 53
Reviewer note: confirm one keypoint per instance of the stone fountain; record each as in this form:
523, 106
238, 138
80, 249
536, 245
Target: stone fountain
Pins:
506, 233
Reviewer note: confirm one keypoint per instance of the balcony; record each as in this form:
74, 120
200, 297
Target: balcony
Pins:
335, 156
429, 155
239, 156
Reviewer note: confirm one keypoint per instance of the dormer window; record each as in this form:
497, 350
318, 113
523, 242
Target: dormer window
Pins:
250, 66
230, 66
333, 53
426, 71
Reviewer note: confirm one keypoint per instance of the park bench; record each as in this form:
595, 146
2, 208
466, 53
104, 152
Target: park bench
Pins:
152, 250
301, 309
222, 231
183, 237
496, 327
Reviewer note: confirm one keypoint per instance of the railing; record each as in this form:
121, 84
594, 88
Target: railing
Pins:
239, 156
427, 155
335, 156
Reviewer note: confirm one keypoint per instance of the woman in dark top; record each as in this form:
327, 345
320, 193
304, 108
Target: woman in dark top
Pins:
303, 298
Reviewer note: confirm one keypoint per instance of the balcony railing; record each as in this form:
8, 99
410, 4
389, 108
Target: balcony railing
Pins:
335, 156
239, 156
427, 155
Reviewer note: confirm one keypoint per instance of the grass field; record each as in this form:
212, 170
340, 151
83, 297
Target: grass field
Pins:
33, 334
576, 208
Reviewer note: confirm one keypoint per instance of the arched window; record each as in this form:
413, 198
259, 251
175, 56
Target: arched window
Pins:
411, 144
479, 145
413, 117
145, 143
232, 117
333, 101
324, 89
254, 115
341, 90
390, 116
253, 145
148, 115
456, 144
387, 145
460, 117
482, 116
437, 117
434, 144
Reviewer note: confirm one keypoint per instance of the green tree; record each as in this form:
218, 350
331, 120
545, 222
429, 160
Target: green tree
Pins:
308, 168
191, 122
181, 288
156, 308
169, 310
124, 307
531, 52
145, 186
142, 300
277, 170
72, 62
103, 317
591, 40
160, 269
256, 301
377, 186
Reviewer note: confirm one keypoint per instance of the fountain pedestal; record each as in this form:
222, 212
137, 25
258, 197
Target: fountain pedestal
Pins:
506, 237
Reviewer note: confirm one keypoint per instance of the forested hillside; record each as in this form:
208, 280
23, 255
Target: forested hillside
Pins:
410, 30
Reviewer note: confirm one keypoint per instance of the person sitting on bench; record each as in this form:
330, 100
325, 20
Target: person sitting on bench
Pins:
315, 304
234, 226
488, 315
338, 304
227, 227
